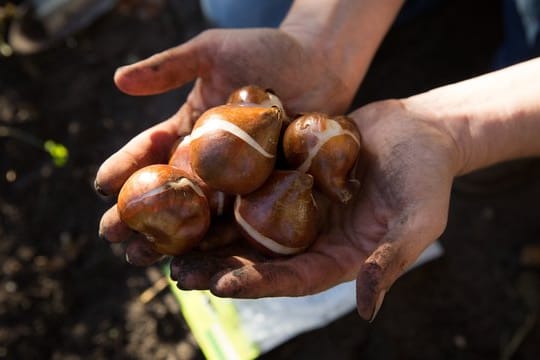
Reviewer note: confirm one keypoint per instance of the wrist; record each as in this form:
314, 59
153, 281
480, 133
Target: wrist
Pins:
491, 118
453, 126
344, 34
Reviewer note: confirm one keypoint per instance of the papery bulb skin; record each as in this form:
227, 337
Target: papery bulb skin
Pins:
327, 148
167, 206
219, 202
281, 217
233, 148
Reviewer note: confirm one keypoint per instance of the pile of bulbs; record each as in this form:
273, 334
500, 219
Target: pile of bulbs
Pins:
247, 158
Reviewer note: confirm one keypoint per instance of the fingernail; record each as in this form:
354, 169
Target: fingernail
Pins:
227, 285
99, 189
142, 262
102, 236
101, 231
175, 269
138, 255
186, 282
378, 305
369, 295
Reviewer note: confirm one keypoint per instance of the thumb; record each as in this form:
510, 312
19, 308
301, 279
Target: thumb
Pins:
169, 69
382, 268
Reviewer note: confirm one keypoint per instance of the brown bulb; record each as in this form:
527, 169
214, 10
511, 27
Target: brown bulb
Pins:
164, 204
327, 148
219, 202
179, 156
255, 95
280, 218
233, 148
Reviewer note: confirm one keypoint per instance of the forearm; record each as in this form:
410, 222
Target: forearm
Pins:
345, 33
493, 118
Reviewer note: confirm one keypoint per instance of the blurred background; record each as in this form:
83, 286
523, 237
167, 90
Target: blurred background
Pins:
66, 294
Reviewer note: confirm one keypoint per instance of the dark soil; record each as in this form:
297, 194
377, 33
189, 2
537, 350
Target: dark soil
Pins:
64, 293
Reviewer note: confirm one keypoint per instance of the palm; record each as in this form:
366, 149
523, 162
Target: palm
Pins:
271, 59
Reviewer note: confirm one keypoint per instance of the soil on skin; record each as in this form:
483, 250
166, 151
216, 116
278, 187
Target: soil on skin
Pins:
64, 293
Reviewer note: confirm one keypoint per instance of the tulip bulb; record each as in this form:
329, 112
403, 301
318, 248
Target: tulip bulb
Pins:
255, 95
280, 218
233, 148
165, 205
327, 148
218, 201
179, 157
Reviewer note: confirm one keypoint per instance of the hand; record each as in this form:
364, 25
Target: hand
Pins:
220, 61
402, 208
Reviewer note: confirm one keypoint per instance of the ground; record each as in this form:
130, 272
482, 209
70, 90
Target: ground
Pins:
64, 293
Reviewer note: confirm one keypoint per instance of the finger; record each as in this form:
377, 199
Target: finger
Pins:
222, 233
167, 70
194, 271
374, 280
382, 268
112, 228
139, 252
149, 147
300, 275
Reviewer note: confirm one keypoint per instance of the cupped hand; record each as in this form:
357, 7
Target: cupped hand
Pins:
219, 61
410, 162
